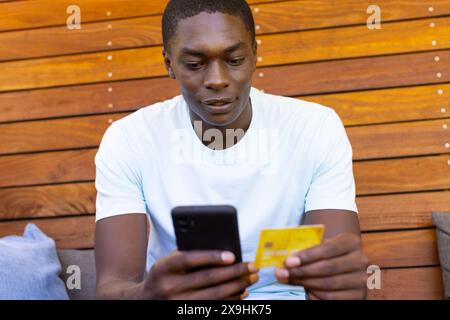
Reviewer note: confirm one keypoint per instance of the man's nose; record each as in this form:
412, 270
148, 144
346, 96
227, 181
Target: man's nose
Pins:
216, 77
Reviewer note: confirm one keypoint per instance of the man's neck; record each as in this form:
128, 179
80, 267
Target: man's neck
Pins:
230, 134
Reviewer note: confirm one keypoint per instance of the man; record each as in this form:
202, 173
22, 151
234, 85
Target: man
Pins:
279, 161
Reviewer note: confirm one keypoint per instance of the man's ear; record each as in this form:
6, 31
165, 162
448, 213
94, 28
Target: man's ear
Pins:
255, 54
168, 64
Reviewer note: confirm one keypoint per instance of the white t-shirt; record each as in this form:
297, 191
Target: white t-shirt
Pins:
295, 157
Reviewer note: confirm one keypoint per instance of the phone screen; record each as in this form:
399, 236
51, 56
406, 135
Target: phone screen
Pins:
207, 228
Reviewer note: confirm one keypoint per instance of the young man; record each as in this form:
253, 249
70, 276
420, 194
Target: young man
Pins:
278, 160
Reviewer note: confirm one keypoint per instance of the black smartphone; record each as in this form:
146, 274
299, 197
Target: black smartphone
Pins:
207, 227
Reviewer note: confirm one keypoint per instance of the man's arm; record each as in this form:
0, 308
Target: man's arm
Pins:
336, 269
120, 255
335, 221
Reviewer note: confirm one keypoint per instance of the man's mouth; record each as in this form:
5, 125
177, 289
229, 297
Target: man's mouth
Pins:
218, 102
217, 106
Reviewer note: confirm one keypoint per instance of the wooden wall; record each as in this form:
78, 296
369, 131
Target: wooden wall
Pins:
60, 89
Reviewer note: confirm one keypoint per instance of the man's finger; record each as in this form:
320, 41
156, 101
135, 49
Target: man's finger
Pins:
322, 268
220, 292
213, 276
337, 246
180, 261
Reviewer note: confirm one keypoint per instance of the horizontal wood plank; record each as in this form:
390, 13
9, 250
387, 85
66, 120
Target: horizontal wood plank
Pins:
402, 175
387, 105
315, 14
47, 201
355, 74
401, 211
86, 99
309, 46
99, 36
68, 133
353, 42
403, 139
409, 284
68, 233
85, 68
44, 168
401, 248
41, 13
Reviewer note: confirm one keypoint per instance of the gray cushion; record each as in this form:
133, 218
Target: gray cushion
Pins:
84, 262
442, 222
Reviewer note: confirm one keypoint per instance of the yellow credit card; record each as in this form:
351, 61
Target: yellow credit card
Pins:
275, 245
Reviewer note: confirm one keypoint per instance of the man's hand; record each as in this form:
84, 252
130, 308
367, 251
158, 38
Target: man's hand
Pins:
173, 278
333, 270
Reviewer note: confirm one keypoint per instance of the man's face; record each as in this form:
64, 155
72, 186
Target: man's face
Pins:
213, 59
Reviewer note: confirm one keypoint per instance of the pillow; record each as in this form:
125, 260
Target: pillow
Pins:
29, 267
442, 222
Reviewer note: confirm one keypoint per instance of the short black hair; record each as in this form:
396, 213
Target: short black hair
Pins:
177, 10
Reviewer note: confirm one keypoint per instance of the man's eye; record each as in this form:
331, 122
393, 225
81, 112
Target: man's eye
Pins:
236, 62
194, 66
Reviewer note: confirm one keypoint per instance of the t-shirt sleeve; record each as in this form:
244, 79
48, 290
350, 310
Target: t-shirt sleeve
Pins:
118, 181
333, 183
